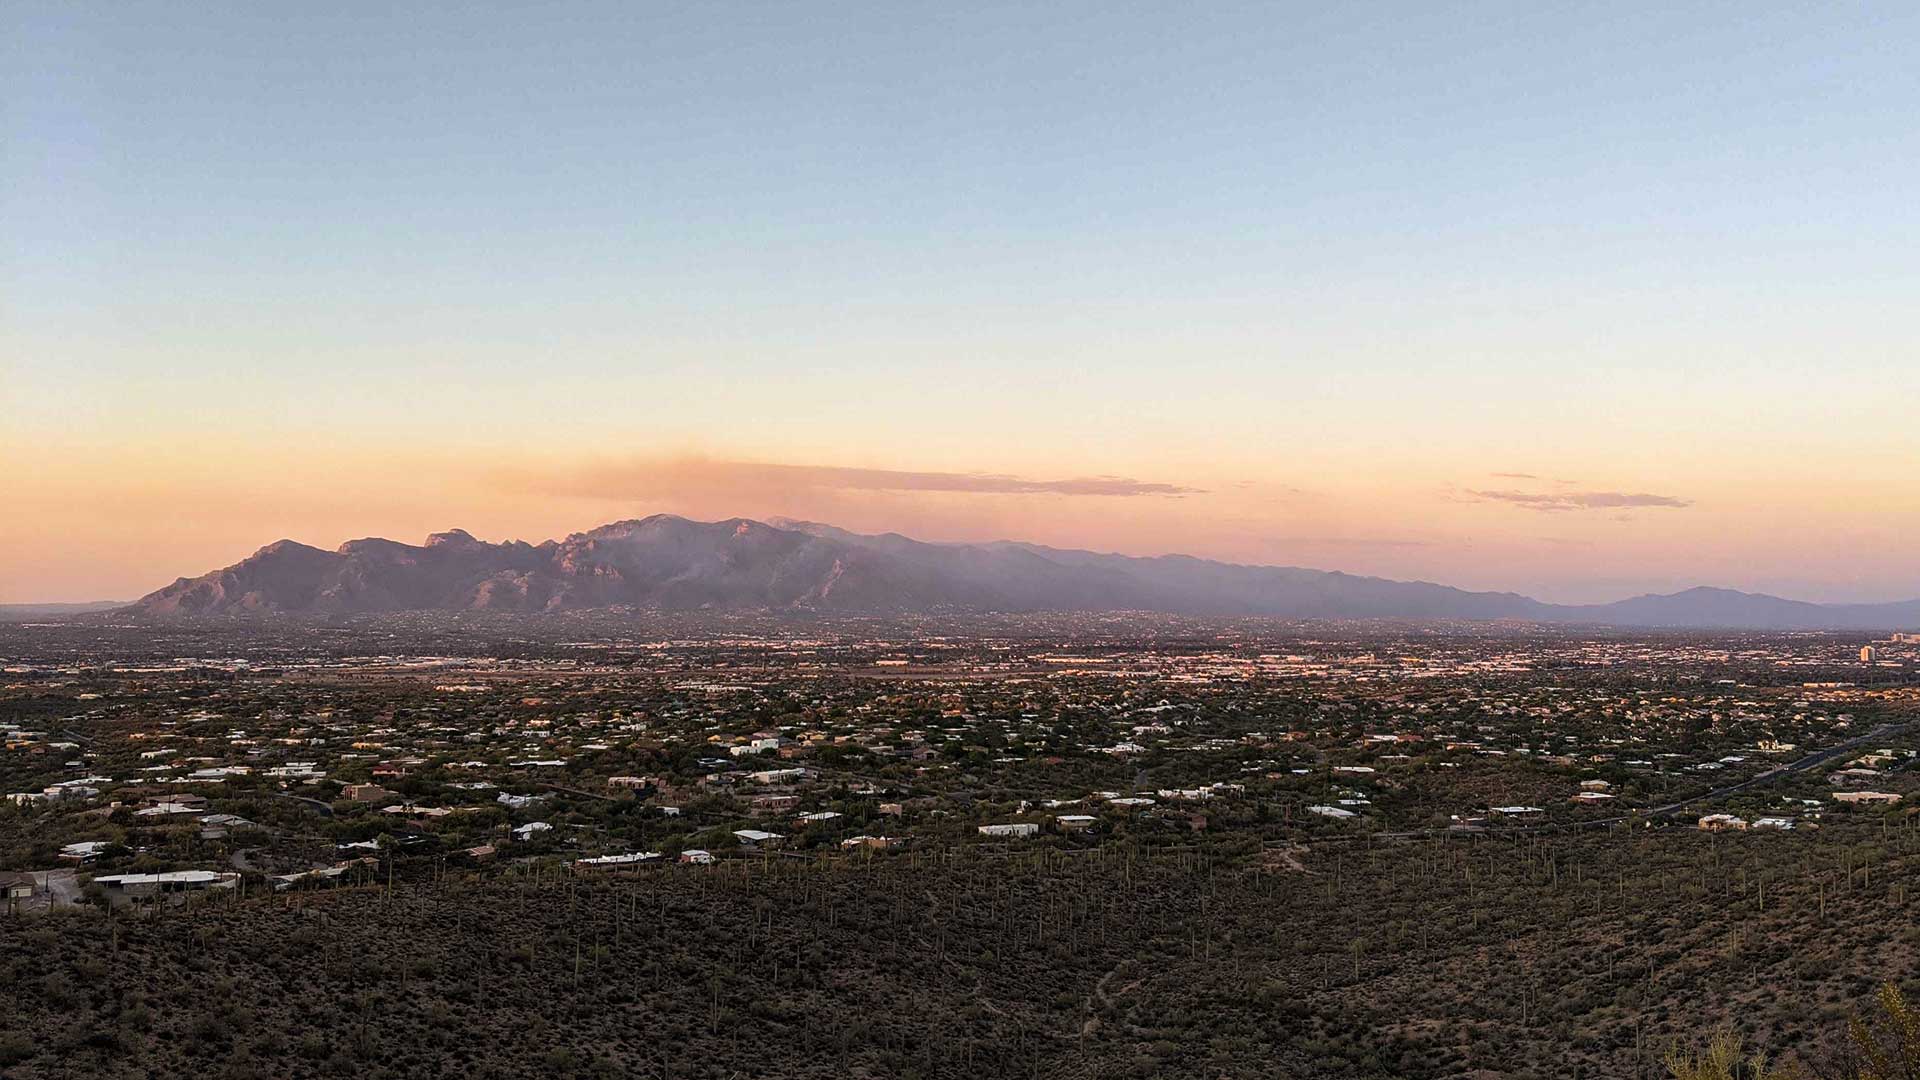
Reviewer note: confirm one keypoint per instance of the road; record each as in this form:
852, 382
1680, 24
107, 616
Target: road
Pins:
57, 888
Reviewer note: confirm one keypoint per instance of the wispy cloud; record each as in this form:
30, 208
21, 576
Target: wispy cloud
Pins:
649, 478
1345, 542
1532, 477
1580, 500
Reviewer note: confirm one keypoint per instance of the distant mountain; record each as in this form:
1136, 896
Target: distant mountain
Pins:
1727, 609
23, 612
671, 563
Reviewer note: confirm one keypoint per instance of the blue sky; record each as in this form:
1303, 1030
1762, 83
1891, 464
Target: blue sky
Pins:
1376, 250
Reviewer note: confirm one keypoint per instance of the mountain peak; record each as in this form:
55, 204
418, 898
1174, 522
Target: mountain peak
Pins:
284, 546
667, 562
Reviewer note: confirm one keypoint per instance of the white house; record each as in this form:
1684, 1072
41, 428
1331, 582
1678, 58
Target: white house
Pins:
1018, 828
601, 862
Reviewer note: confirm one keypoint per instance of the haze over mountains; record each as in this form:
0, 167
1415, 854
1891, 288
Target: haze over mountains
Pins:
670, 563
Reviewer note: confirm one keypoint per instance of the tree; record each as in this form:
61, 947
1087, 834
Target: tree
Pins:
1882, 1046
1721, 1060
1888, 1049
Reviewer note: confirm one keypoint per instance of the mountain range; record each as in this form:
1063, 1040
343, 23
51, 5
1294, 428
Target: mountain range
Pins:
670, 563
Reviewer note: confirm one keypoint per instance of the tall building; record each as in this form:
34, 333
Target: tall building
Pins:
1867, 654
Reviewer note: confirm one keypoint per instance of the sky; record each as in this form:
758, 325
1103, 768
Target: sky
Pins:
1577, 300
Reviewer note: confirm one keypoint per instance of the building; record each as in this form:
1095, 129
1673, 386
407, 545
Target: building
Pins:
757, 838
1856, 798
165, 809
366, 793
173, 881
614, 862
1722, 823
17, 887
1018, 828
1867, 654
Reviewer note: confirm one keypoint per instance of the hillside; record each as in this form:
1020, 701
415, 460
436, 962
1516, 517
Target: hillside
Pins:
669, 563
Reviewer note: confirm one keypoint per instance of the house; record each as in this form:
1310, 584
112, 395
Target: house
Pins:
614, 862
1773, 823
84, 851
166, 810
483, 853
1331, 811
172, 881
216, 826
697, 857
1722, 823
877, 843
1075, 822
1524, 813
1856, 798
532, 830
17, 887
756, 838
411, 810
1013, 829
366, 793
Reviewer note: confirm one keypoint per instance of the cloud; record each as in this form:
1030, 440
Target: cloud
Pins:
1580, 500
1344, 542
654, 478
1536, 477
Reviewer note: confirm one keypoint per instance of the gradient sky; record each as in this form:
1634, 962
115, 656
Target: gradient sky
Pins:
1581, 300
